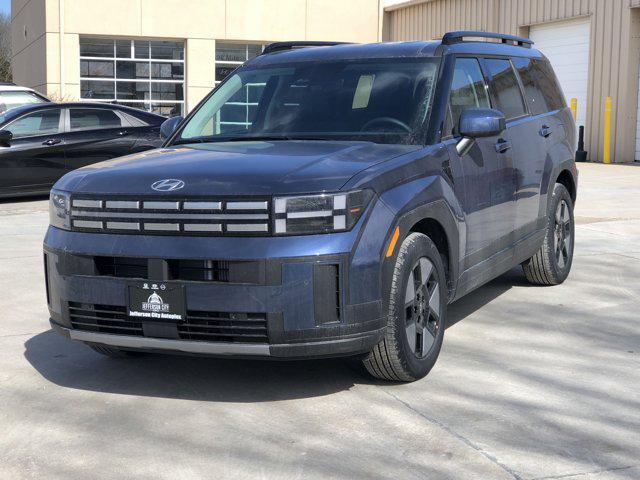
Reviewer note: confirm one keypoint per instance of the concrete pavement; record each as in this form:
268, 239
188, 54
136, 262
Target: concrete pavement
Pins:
532, 382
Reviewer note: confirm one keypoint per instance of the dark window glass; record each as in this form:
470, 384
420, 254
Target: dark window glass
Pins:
141, 49
166, 91
468, 89
537, 102
128, 70
162, 50
92, 118
44, 122
166, 109
96, 47
123, 48
132, 90
505, 88
223, 71
96, 68
167, 71
96, 89
231, 52
548, 84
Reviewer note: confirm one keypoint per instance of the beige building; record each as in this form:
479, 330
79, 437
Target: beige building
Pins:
165, 55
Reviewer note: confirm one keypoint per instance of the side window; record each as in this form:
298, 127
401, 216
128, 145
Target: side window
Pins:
536, 100
505, 88
44, 122
468, 89
92, 119
548, 84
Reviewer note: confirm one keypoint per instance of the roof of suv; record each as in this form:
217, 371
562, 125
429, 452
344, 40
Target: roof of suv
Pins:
418, 49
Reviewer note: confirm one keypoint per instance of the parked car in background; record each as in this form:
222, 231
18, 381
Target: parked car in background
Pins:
12, 96
41, 142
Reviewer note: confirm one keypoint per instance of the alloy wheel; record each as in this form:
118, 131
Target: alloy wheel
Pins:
422, 307
562, 239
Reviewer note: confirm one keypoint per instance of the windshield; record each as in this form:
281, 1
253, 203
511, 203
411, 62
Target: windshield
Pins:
9, 100
384, 101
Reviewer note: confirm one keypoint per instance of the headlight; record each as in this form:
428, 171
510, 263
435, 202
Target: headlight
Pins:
59, 210
326, 213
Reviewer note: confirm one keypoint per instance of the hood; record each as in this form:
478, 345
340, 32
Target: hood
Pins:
235, 168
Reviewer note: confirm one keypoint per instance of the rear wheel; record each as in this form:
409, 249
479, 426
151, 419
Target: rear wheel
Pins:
552, 263
112, 352
416, 317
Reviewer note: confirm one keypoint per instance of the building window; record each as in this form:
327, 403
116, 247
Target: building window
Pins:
239, 111
145, 74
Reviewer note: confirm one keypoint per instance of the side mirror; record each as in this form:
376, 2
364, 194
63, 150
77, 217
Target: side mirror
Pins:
169, 127
478, 123
5, 138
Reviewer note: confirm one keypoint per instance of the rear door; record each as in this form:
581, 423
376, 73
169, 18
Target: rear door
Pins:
96, 134
35, 157
526, 147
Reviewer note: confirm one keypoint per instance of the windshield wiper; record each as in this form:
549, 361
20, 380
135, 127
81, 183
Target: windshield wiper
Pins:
244, 138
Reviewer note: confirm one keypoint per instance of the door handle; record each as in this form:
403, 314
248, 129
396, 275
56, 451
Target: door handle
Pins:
122, 133
502, 146
51, 142
545, 131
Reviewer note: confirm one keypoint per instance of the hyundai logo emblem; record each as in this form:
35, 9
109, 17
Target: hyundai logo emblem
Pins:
167, 185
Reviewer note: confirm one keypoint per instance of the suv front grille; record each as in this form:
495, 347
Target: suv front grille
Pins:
198, 326
154, 216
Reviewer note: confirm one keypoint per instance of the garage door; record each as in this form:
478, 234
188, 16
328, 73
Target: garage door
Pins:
566, 45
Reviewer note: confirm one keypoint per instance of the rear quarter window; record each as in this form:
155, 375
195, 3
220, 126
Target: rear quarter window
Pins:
93, 119
538, 103
548, 84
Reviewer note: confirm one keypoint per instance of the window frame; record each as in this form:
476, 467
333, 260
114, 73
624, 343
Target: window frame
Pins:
61, 123
114, 59
448, 112
492, 95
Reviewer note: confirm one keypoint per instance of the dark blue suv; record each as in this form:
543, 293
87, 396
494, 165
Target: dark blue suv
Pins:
324, 200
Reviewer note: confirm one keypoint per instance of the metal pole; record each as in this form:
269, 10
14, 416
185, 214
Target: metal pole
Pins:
574, 108
608, 106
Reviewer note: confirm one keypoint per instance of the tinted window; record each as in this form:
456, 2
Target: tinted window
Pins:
505, 88
468, 89
536, 100
43, 122
92, 118
548, 84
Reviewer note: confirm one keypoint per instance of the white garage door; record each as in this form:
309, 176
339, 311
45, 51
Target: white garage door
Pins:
566, 45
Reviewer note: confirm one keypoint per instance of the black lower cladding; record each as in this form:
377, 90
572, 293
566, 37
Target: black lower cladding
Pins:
198, 326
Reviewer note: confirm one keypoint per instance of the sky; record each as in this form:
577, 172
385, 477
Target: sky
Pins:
5, 6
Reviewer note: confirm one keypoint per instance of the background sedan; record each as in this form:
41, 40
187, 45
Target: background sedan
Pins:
41, 142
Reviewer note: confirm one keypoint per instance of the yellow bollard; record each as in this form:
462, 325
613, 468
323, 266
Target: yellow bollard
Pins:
608, 106
574, 108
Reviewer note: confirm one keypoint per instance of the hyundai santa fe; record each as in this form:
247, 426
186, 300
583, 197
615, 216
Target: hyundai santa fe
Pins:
324, 200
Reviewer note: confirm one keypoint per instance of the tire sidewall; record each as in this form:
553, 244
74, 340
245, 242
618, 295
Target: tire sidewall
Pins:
559, 193
413, 248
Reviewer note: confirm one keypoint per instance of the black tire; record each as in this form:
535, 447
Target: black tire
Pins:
112, 352
394, 358
552, 263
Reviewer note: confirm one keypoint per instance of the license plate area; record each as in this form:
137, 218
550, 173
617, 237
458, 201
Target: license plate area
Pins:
156, 301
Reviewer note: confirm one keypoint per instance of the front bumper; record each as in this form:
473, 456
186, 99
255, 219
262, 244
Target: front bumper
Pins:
281, 288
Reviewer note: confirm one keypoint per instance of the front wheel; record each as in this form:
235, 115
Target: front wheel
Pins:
552, 263
416, 316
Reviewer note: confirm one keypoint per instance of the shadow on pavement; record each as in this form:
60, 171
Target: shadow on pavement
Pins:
73, 365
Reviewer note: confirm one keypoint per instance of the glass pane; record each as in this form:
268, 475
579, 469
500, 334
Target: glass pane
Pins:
127, 70
166, 109
141, 49
254, 51
548, 84
231, 52
9, 100
467, 88
537, 102
167, 71
123, 48
138, 105
39, 123
132, 91
96, 47
92, 118
167, 50
101, 90
223, 71
96, 68
506, 90
166, 91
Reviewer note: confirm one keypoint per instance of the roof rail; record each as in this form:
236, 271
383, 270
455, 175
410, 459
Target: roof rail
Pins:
279, 46
456, 37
